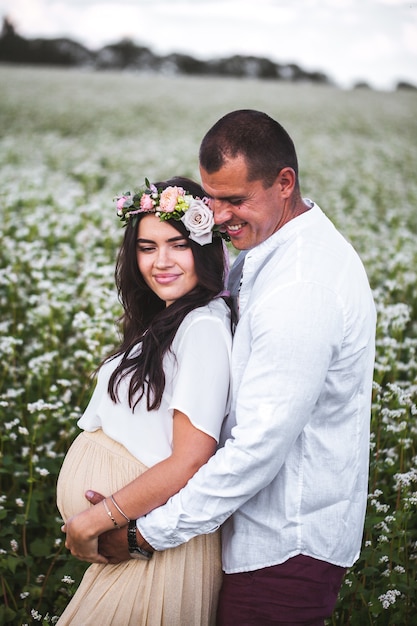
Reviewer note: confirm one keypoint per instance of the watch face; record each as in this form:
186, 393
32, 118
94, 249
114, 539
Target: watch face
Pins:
135, 551
137, 555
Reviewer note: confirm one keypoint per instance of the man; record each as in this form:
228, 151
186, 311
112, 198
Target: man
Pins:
290, 483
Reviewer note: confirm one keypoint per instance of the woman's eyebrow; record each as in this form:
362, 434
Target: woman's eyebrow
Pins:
170, 240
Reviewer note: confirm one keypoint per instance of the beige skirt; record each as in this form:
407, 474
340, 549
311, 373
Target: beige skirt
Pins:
177, 587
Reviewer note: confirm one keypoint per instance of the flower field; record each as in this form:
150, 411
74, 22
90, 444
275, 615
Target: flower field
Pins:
73, 140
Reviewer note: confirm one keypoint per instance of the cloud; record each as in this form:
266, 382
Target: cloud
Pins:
376, 47
410, 37
368, 39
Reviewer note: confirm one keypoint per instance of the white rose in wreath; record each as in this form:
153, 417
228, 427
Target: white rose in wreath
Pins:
199, 221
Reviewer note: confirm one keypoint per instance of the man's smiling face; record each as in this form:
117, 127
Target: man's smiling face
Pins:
249, 212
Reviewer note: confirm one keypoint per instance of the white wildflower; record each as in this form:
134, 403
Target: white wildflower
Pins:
67, 580
36, 615
405, 479
389, 598
42, 471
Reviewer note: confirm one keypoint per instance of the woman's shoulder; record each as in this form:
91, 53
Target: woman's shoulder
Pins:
214, 315
205, 330
216, 309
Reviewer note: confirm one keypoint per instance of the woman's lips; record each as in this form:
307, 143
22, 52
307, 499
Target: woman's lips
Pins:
165, 279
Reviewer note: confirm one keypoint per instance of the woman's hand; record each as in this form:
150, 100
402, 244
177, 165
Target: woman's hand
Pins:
81, 539
113, 543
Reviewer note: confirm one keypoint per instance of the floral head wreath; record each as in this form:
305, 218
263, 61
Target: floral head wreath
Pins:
172, 203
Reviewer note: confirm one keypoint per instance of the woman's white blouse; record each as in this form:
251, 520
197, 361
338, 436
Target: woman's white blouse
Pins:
197, 372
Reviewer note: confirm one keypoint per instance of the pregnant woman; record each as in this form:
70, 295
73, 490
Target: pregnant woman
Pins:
155, 415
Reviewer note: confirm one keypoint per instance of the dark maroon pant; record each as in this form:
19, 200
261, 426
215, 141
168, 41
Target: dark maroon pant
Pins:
300, 592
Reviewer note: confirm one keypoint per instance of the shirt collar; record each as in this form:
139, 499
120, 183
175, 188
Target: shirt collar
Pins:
257, 255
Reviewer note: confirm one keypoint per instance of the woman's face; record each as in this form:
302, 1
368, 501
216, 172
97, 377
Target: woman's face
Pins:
165, 259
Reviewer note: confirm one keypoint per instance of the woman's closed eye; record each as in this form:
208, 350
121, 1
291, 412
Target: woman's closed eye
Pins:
146, 248
182, 245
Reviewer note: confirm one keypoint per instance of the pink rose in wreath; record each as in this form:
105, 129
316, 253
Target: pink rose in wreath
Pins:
169, 199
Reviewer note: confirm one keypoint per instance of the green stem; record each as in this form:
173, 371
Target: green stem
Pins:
49, 572
7, 592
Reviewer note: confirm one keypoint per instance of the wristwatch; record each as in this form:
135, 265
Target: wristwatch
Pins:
135, 551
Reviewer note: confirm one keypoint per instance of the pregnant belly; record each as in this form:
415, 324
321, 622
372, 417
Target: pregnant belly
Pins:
94, 461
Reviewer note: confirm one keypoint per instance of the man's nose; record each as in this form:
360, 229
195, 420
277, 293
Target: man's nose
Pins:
221, 210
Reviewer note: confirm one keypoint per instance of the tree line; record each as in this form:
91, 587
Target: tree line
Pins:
126, 55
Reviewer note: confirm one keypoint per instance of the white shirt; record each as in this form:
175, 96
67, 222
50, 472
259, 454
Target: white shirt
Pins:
292, 476
198, 364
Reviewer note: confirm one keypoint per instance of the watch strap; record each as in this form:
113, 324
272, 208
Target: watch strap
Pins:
135, 551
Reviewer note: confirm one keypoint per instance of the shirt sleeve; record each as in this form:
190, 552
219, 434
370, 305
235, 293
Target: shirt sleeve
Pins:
202, 376
90, 419
292, 346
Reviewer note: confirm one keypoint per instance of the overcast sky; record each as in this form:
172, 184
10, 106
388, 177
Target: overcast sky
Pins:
349, 40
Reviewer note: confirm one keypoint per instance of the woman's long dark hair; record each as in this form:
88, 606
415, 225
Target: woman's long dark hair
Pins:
146, 318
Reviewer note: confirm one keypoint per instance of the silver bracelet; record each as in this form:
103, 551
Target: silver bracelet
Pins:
116, 525
119, 509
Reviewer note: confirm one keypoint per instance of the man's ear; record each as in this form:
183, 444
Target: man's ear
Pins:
287, 180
